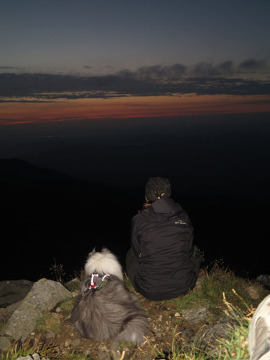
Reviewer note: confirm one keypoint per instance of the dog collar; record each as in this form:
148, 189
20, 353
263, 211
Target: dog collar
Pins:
104, 281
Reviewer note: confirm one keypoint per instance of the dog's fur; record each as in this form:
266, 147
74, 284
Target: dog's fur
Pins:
103, 262
112, 312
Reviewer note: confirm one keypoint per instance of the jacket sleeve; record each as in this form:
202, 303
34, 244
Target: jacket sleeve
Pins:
191, 242
191, 234
135, 241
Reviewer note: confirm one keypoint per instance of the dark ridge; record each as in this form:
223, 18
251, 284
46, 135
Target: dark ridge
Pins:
48, 216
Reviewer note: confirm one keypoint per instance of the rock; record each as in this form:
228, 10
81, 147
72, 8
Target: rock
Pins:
76, 342
50, 335
264, 279
4, 343
200, 280
67, 342
73, 285
29, 357
209, 336
43, 297
195, 315
12, 291
103, 353
253, 292
5, 313
115, 350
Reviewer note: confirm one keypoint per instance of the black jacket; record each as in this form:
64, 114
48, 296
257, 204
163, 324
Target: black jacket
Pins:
162, 241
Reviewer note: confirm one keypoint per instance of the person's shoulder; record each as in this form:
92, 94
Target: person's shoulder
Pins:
137, 215
141, 213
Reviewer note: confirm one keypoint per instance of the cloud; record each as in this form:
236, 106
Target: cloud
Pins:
203, 70
158, 72
10, 68
201, 78
252, 65
210, 70
225, 68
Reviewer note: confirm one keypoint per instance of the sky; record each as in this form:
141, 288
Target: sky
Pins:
196, 73
71, 60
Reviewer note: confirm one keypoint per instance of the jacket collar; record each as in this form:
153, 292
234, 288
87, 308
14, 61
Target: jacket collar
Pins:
165, 206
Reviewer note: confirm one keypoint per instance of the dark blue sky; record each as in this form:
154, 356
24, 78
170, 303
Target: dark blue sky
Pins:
66, 60
101, 37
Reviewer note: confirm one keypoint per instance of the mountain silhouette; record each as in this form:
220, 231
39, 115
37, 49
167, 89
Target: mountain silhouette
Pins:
48, 216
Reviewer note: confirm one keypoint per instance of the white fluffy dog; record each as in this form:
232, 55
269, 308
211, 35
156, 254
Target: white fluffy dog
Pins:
105, 308
103, 262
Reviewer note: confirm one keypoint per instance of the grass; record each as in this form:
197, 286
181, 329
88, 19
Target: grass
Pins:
223, 293
67, 305
235, 346
30, 347
226, 296
45, 351
49, 322
58, 272
209, 293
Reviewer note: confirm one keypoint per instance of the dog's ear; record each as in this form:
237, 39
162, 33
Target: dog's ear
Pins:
92, 252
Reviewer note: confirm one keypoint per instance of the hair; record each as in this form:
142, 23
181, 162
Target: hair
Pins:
156, 188
112, 312
103, 262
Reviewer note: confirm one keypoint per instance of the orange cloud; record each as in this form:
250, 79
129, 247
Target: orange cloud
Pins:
126, 107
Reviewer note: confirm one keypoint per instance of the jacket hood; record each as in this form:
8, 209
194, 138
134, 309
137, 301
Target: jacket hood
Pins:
165, 206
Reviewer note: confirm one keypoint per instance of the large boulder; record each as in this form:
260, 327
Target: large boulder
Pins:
43, 297
12, 291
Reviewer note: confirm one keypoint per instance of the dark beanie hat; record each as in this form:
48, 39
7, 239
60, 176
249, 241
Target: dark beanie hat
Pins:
157, 187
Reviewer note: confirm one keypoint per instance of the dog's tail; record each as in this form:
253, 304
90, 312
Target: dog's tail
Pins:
134, 330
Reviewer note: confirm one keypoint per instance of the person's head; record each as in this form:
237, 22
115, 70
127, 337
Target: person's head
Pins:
157, 188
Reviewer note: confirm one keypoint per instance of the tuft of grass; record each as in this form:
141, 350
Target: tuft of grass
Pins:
30, 347
77, 356
128, 283
210, 291
176, 350
45, 351
49, 322
67, 305
221, 281
236, 346
58, 272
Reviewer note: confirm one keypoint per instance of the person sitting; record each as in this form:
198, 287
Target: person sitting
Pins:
160, 262
259, 330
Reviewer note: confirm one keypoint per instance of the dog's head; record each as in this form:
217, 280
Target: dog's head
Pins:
103, 262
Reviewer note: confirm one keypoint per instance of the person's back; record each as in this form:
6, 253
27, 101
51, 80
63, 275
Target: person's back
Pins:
162, 245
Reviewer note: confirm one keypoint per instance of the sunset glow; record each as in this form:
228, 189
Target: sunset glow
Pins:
129, 107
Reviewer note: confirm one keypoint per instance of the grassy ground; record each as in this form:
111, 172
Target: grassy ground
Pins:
227, 298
